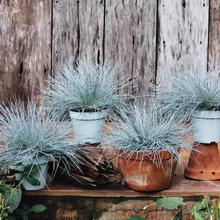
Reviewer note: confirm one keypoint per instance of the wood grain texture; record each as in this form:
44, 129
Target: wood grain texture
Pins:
91, 30
180, 187
122, 30
25, 27
214, 34
65, 41
130, 39
183, 34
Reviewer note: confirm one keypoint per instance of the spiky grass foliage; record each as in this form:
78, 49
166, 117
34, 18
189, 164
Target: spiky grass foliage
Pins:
31, 133
190, 90
146, 130
83, 87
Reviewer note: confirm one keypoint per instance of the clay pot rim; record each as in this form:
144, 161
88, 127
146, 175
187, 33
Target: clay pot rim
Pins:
139, 156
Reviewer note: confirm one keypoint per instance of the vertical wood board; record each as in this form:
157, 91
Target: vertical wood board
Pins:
183, 34
25, 33
91, 30
214, 35
130, 39
65, 41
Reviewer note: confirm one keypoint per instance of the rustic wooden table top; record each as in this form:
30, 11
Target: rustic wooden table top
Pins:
181, 186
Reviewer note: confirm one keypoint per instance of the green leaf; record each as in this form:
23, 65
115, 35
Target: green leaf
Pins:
178, 216
170, 203
4, 187
12, 198
200, 215
38, 208
11, 217
136, 218
203, 204
33, 181
30, 170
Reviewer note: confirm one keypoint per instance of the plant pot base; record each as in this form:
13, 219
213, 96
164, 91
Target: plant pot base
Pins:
142, 174
204, 162
143, 188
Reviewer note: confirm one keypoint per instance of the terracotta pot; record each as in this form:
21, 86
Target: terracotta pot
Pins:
142, 174
204, 162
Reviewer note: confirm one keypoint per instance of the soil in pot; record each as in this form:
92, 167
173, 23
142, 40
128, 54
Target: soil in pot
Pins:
141, 173
204, 162
88, 127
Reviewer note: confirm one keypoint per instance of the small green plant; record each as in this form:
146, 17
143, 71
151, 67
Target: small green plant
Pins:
190, 90
83, 87
11, 207
29, 134
29, 173
24, 211
10, 198
205, 209
146, 130
170, 203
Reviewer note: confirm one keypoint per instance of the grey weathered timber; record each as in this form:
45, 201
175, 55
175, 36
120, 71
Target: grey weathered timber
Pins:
91, 30
183, 34
148, 39
65, 35
130, 39
25, 33
214, 35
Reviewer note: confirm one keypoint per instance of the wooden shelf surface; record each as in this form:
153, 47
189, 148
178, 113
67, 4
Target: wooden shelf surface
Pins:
180, 187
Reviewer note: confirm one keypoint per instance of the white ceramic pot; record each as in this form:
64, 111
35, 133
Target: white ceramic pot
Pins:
206, 126
88, 127
41, 176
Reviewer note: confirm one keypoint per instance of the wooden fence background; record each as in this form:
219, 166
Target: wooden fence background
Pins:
147, 36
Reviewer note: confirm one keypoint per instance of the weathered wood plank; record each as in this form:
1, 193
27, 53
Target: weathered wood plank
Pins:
183, 34
214, 34
65, 42
91, 30
25, 33
130, 39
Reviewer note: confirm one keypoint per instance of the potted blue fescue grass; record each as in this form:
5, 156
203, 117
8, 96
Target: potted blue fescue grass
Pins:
32, 138
194, 99
86, 92
194, 96
146, 144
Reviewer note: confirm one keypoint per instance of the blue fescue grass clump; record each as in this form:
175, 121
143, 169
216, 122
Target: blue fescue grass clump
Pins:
146, 130
29, 133
84, 87
189, 91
